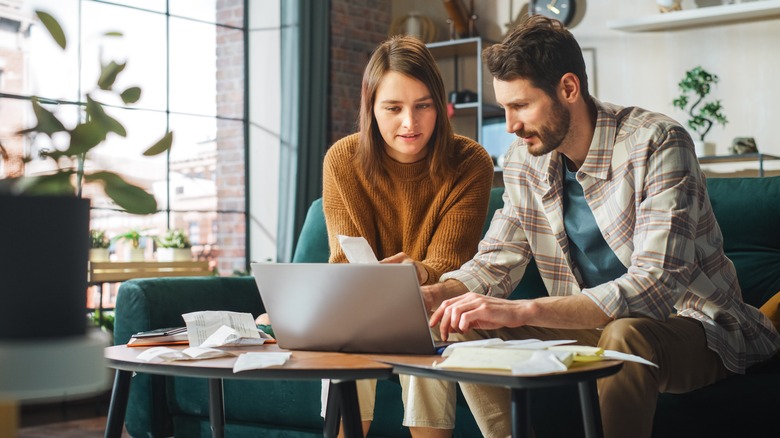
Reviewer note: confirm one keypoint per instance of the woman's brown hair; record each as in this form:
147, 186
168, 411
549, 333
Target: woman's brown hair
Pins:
408, 56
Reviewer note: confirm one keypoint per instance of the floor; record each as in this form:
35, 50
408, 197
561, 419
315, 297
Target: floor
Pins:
85, 418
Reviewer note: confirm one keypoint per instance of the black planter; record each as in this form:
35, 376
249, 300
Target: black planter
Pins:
44, 248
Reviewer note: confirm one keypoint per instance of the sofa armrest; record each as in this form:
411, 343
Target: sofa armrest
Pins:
150, 303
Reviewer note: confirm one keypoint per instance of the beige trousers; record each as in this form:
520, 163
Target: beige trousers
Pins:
627, 399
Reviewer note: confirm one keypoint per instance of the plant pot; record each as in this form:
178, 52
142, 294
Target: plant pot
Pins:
133, 255
43, 266
174, 254
704, 148
98, 255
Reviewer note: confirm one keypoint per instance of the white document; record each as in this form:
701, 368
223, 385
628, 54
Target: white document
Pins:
357, 249
254, 361
515, 360
164, 354
241, 329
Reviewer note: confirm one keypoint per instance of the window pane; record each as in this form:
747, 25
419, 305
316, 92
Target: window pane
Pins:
230, 73
200, 227
193, 163
35, 68
116, 223
152, 5
142, 46
204, 10
230, 247
230, 166
193, 67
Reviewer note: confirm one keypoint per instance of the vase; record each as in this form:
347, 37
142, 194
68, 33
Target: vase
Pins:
98, 255
174, 254
704, 148
43, 266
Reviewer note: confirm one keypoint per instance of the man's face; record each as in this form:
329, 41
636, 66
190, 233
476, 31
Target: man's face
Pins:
405, 115
541, 121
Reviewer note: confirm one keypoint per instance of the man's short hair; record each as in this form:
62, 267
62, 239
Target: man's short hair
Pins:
540, 50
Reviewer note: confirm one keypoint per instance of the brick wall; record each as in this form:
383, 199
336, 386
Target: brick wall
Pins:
231, 229
356, 27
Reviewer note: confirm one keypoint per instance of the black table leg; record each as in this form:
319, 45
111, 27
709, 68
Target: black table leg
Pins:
118, 405
216, 408
350, 409
591, 413
521, 413
332, 410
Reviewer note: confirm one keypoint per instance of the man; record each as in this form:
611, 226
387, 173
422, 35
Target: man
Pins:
613, 206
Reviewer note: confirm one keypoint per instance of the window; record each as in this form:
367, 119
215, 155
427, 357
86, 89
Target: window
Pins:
188, 58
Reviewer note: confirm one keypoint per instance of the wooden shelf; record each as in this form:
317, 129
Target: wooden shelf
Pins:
709, 16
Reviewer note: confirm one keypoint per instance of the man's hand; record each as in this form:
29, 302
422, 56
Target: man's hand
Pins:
476, 311
401, 257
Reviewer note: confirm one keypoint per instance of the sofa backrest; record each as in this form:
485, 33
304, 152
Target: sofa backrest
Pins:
748, 212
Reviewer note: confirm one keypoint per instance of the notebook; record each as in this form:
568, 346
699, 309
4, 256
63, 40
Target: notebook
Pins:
356, 308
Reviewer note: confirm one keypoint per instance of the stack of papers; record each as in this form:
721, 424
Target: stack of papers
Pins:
525, 357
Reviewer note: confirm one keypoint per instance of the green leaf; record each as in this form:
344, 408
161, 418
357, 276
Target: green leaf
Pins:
58, 183
48, 123
161, 146
98, 115
53, 27
113, 33
132, 198
108, 74
85, 136
131, 95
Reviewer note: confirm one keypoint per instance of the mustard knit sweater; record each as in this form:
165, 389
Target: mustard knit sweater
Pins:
405, 211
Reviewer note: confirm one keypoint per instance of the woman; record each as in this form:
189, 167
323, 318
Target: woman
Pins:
414, 190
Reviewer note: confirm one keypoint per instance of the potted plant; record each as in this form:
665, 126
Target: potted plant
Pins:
174, 246
49, 210
132, 251
695, 86
98, 246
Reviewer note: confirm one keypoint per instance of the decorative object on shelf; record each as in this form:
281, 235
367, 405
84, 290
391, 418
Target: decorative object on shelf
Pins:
668, 5
698, 83
458, 18
98, 246
133, 252
414, 24
174, 246
46, 216
743, 145
561, 10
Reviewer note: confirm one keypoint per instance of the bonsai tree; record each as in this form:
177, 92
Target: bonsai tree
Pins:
174, 239
98, 239
70, 175
695, 86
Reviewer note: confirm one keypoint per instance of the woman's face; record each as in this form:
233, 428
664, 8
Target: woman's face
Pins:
406, 116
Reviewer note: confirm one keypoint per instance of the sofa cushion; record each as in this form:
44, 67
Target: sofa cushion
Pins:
747, 210
772, 310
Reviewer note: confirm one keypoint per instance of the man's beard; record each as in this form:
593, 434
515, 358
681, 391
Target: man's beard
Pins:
553, 133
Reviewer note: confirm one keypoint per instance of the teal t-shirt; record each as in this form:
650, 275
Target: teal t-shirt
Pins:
589, 251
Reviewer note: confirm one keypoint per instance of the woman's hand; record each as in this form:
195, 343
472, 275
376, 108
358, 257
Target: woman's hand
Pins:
401, 257
263, 319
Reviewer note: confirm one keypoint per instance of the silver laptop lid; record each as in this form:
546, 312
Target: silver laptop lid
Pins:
358, 308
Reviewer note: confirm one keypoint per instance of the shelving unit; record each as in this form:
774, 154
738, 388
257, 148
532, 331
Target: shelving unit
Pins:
463, 53
757, 157
708, 16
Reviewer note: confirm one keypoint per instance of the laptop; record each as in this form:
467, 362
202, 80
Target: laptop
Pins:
356, 308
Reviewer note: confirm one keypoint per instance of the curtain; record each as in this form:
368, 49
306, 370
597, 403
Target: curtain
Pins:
304, 94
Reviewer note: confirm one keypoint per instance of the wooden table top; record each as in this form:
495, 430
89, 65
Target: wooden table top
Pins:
302, 365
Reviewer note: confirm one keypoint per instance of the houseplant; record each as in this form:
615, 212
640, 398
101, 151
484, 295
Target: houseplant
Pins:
695, 87
98, 246
46, 214
132, 251
174, 246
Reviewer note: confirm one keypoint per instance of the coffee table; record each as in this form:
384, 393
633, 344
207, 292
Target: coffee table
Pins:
343, 369
584, 374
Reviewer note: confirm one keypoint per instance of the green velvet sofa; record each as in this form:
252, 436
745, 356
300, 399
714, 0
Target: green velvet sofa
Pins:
748, 211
